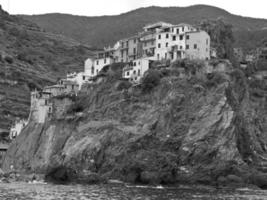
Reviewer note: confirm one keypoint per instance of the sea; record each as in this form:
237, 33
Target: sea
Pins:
121, 191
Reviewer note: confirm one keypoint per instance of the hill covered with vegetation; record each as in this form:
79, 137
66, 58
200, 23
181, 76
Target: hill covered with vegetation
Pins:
31, 58
105, 30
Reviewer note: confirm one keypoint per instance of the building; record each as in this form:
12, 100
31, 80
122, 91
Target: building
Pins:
93, 66
128, 49
55, 90
3, 150
70, 87
135, 70
16, 129
80, 78
41, 106
197, 45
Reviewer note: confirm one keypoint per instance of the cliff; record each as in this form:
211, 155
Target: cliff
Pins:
190, 130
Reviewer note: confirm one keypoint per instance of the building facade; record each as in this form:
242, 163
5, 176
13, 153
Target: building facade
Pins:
16, 129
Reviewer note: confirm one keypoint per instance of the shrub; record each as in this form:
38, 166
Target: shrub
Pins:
123, 85
215, 79
150, 80
9, 59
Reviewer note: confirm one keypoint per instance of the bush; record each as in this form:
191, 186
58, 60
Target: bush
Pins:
9, 59
123, 85
150, 80
215, 79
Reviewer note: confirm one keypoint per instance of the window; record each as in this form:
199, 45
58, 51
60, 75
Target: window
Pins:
46, 102
122, 44
165, 55
134, 50
181, 47
134, 64
97, 62
195, 46
92, 70
172, 30
183, 29
139, 72
159, 45
158, 56
159, 37
174, 38
181, 37
127, 44
187, 46
177, 31
134, 40
167, 35
207, 41
97, 71
167, 44
145, 44
139, 63
187, 37
105, 61
134, 72
128, 73
72, 87
83, 77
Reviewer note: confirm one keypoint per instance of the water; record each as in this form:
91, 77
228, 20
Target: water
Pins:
24, 191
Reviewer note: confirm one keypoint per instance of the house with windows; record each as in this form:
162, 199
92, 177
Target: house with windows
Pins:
135, 70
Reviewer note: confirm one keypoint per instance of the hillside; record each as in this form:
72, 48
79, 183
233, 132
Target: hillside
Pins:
31, 58
100, 31
196, 129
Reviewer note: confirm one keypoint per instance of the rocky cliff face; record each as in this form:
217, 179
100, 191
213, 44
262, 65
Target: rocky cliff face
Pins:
184, 130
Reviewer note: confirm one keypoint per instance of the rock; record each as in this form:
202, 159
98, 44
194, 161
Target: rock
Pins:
221, 180
91, 178
59, 175
260, 180
234, 178
150, 177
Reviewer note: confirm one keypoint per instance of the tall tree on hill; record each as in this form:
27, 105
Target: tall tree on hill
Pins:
222, 38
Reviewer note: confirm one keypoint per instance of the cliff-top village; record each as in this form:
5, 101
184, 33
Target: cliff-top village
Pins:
159, 41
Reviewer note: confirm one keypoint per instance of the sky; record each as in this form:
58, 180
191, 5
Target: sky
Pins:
256, 8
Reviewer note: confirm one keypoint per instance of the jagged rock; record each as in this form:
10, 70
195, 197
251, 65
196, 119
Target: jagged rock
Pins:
171, 134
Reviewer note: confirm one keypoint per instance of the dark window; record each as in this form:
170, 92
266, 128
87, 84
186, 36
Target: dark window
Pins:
122, 44
165, 55
93, 70
177, 30
97, 62
105, 61
167, 35
181, 47
159, 45
159, 37
134, 40
172, 29
46, 102
195, 46
167, 44
134, 72
207, 41
187, 46
72, 87
134, 50
174, 38
97, 71
181, 37
134, 64
83, 77
158, 56
187, 37
183, 29
139, 72
128, 73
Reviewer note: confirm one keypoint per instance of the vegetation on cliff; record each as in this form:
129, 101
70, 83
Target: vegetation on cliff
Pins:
31, 58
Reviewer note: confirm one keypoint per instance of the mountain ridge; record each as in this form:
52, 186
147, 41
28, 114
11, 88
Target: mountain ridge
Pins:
106, 30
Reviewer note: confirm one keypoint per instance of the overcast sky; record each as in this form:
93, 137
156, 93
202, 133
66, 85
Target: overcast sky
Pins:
256, 8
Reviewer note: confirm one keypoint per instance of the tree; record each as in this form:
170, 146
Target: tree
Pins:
221, 36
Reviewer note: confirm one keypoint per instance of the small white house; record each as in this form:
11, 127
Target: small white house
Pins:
94, 66
136, 69
16, 129
80, 78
